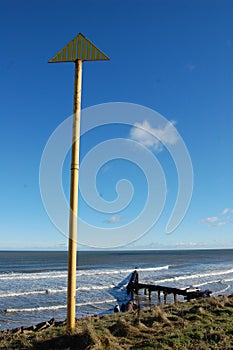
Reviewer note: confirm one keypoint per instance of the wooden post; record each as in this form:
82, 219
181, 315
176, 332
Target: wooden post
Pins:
165, 298
72, 253
159, 297
138, 307
149, 294
175, 298
145, 291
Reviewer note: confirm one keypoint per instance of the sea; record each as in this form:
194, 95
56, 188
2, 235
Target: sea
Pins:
33, 284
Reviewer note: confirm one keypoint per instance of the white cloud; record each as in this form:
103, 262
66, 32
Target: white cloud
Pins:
225, 218
210, 220
152, 137
225, 211
114, 219
219, 224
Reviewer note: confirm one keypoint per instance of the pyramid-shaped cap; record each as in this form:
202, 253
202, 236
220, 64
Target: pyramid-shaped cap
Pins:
80, 48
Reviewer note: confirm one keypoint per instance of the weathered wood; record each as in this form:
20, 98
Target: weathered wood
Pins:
134, 286
35, 328
159, 297
156, 288
198, 294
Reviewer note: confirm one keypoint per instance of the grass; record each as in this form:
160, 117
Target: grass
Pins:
200, 324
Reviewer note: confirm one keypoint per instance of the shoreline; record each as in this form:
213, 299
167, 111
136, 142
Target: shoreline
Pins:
182, 271
204, 323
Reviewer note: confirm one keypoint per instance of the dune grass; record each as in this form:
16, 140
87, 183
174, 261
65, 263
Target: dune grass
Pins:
201, 324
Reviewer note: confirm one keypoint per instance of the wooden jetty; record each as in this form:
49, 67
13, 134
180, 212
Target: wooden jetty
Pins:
134, 287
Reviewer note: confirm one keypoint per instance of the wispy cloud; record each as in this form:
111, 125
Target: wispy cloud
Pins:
225, 217
114, 219
210, 220
221, 223
154, 138
227, 211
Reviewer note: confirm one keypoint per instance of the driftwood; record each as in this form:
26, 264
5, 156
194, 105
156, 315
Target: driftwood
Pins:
36, 328
134, 286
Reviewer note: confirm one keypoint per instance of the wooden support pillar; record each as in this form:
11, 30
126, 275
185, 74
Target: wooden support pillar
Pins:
149, 294
145, 291
159, 297
175, 298
138, 308
165, 298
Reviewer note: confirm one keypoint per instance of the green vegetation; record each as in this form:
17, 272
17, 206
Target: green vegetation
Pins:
200, 324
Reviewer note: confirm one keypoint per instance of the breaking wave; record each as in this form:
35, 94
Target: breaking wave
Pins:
54, 275
56, 307
195, 276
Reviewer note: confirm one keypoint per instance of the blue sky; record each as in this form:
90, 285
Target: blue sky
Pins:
173, 56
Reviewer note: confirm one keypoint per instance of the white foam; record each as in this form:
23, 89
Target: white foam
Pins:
54, 291
221, 291
123, 271
17, 294
60, 275
86, 288
204, 283
201, 275
154, 268
227, 280
40, 308
32, 276
33, 292
56, 307
107, 301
